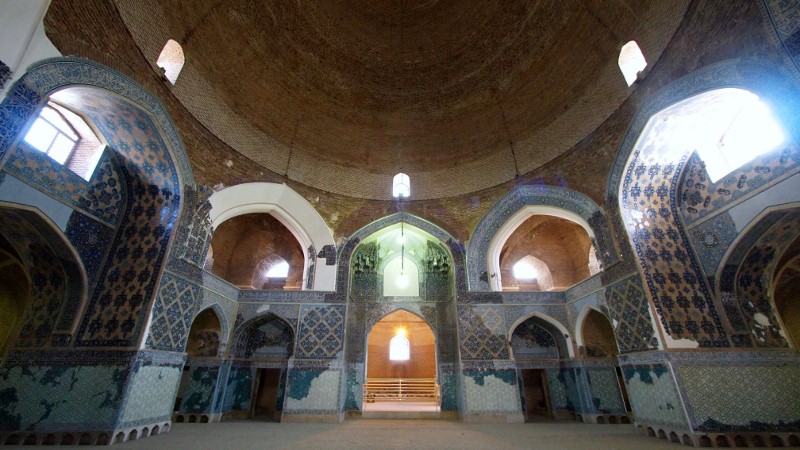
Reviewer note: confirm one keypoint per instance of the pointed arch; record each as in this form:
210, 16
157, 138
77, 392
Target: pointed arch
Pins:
517, 206
44, 250
419, 346
157, 174
366, 231
558, 327
205, 335
642, 170
279, 336
748, 274
224, 320
580, 323
372, 320
295, 213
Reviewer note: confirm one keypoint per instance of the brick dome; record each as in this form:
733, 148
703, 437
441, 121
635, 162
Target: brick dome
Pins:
340, 95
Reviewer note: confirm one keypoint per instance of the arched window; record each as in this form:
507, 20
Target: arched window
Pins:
594, 263
171, 60
524, 270
401, 186
631, 61
399, 348
64, 136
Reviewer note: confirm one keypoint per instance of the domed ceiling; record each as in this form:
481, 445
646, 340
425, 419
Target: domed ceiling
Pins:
462, 95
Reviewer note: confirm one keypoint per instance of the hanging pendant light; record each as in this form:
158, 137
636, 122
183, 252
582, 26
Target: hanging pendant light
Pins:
402, 279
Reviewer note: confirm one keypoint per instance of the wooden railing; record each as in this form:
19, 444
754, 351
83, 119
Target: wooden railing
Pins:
401, 390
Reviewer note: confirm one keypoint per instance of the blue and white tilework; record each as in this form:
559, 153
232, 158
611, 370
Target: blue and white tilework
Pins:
627, 306
313, 391
483, 332
604, 390
175, 307
320, 332
735, 398
490, 392
149, 396
785, 17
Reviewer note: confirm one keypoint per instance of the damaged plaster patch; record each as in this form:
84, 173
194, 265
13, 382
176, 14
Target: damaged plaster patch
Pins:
761, 319
679, 343
313, 390
492, 395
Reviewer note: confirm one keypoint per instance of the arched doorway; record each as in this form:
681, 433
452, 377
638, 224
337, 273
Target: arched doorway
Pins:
202, 351
536, 345
264, 345
599, 346
401, 365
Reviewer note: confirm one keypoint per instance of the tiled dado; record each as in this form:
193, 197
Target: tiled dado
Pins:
313, 392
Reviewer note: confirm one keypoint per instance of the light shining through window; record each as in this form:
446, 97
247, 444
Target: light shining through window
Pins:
752, 132
631, 61
280, 270
401, 186
50, 134
731, 133
523, 270
399, 348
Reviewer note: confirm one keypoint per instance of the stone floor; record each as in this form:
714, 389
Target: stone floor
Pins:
399, 434
401, 406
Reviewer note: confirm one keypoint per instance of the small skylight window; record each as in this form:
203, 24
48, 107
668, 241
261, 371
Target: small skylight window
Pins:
524, 270
631, 61
280, 270
171, 60
399, 348
401, 186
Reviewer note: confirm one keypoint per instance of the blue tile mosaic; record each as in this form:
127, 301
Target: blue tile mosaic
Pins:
627, 306
482, 332
320, 332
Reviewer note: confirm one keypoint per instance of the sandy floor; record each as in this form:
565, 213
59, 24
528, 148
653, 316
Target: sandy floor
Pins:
399, 434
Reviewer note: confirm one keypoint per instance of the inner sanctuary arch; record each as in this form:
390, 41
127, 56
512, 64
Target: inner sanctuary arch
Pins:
374, 297
401, 365
293, 211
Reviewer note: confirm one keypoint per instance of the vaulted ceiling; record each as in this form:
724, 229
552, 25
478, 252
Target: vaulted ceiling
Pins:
340, 95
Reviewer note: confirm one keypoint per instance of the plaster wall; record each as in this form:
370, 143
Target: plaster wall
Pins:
22, 38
